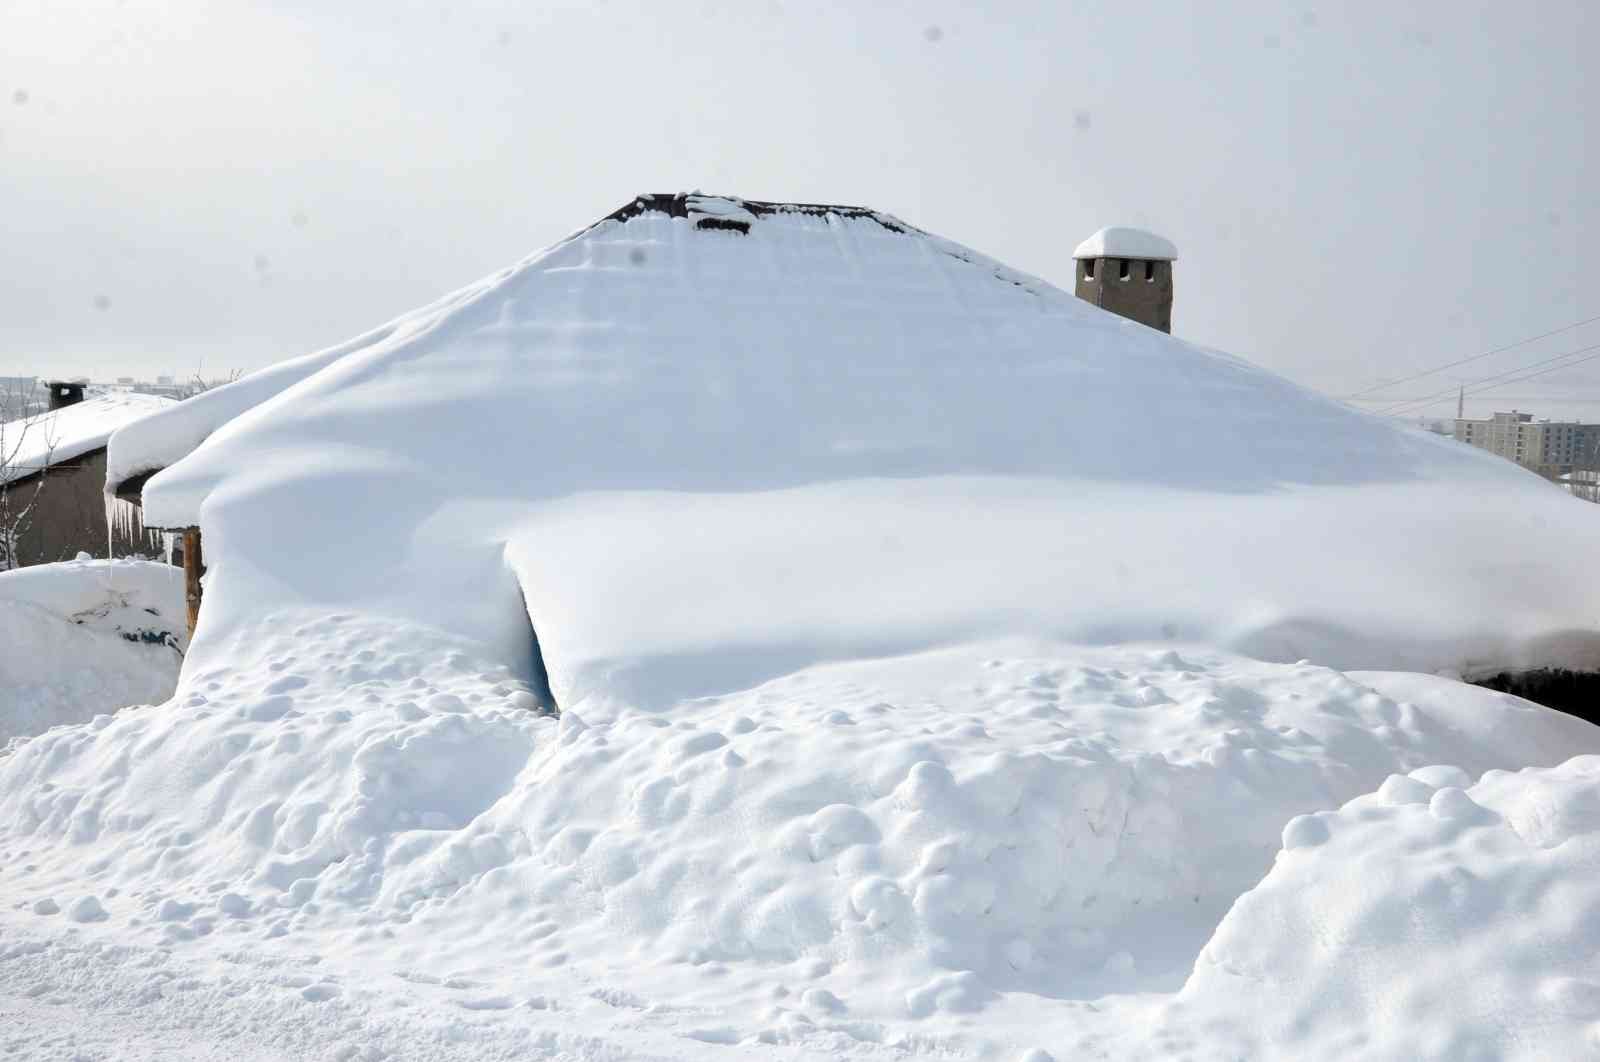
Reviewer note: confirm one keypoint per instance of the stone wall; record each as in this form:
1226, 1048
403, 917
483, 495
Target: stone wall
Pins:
1148, 301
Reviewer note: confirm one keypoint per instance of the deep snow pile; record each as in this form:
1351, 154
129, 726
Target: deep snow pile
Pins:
86, 637
1433, 918
871, 853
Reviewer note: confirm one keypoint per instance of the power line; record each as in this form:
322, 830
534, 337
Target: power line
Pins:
1500, 377
1475, 357
1564, 399
1492, 386
1490, 383
1555, 368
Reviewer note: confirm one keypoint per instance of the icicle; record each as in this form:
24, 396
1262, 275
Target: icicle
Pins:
123, 519
112, 513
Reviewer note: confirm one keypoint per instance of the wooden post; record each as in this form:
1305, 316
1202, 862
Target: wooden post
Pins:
193, 569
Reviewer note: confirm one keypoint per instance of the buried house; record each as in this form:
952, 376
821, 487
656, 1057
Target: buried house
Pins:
52, 468
708, 440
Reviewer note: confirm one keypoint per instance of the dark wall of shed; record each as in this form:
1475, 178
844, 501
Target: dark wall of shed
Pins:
1574, 692
69, 513
1147, 301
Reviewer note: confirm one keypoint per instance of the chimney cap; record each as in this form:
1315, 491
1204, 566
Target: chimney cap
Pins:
1119, 241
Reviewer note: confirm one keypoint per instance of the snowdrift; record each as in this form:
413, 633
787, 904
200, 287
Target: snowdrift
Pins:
86, 637
1433, 918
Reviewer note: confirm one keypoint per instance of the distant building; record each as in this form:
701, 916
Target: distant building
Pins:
1129, 272
1551, 448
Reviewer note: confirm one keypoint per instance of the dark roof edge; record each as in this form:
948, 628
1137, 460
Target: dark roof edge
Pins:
676, 204
131, 489
45, 469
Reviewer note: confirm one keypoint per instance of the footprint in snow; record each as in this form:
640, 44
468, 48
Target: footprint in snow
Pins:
270, 708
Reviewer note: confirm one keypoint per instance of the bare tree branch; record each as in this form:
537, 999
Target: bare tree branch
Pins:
24, 466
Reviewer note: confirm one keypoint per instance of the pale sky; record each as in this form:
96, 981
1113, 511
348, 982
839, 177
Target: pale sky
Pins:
1358, 191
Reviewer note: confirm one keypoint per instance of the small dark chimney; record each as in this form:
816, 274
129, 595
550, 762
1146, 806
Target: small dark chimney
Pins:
64, 393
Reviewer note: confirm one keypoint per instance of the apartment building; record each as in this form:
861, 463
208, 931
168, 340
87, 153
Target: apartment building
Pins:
1551, 448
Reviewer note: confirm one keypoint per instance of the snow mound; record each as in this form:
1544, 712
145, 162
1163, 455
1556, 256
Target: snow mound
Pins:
1433, 918
290, 763
86, 637
58, 435
996, 817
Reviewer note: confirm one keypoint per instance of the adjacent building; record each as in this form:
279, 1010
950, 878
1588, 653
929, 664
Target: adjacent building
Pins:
1551, 448
52, 477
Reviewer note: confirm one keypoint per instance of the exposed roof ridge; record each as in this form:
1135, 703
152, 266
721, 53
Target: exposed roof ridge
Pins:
686, 204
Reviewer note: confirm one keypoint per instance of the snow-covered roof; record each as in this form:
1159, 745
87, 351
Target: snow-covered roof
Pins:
167, 435
158, 441
58, 435
706, 435
1117, 241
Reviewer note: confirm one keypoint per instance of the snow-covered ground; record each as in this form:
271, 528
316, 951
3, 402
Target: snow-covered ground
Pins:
84, 638
928, 648
356, 838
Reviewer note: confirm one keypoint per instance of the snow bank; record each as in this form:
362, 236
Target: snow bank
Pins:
1433, 918
857, 853
86, 637
1120, 242
997, 818
323, 740
48, 438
